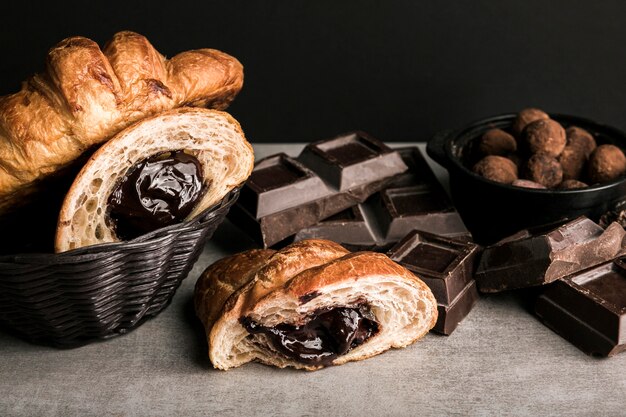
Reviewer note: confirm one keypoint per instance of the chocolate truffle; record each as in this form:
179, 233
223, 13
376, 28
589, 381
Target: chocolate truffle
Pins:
544, 169
496, 168
572, 185
546, 136
497, 142
572, 161
579, 137
528, 184
527, 116
606, 163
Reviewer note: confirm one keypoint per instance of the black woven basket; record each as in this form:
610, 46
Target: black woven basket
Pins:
97, 292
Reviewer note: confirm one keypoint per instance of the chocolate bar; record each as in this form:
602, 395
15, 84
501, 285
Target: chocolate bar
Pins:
589, 308
413, 200
348, 226
351, 161
284, 195
446, 265
278, 183
533, 257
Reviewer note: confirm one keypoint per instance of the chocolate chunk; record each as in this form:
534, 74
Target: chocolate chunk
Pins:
326, 335
278, 183
156, 192
446, 265
531, 258
348, 226
350, 161
326, 178
589, 308
450, 315
424, 207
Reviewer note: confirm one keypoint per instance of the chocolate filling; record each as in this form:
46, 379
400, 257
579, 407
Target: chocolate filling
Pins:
156, 192
327, 334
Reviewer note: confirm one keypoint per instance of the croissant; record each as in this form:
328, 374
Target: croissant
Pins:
160, 171
311, 304
86, 95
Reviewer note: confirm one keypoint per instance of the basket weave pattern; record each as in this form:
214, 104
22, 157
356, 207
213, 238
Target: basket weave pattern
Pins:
97, 292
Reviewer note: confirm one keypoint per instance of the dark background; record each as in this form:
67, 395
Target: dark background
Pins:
399, 69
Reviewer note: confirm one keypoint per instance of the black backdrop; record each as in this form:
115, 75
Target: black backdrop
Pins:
399, 69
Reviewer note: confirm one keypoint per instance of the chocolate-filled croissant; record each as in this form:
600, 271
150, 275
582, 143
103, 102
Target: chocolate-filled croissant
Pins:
157, 172
87, 95
309, 305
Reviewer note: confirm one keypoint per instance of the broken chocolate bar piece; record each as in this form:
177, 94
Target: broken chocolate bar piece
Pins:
280, 182
283, 195
450, 315
351, 160
421, 207
446, 265
347, 226
589, 308
531, 258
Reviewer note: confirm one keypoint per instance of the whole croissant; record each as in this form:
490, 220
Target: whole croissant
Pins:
86, 95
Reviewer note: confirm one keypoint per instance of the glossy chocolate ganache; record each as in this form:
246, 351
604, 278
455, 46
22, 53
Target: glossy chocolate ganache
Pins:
159, 191
326, 335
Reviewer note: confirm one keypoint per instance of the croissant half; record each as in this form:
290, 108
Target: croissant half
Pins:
86, 95
309, 305
160, 171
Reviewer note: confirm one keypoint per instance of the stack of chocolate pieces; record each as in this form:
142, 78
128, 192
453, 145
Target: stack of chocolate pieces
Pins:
411, 200
356, 191
284, 195
582, 267
446, 265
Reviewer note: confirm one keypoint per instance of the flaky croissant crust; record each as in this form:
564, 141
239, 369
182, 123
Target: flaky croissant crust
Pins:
86, 95
274, 287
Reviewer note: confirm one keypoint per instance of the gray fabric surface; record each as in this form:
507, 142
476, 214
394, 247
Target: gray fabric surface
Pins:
500, 361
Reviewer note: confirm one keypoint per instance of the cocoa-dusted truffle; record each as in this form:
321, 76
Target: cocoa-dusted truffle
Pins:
544, 169
496, 168
579, 137
525, 117
497, 142
545, 136
572, 185
606, 163
572, 161
528, 184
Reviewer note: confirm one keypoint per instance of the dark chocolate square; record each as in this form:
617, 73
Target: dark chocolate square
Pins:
280, 182
424, 207
446, 265
351, 160
450, 315
588, 308
348, 226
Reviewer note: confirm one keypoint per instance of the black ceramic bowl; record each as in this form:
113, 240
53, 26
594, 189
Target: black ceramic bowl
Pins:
492, 210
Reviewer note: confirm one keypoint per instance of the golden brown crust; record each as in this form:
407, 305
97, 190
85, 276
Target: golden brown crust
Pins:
222, 279
303, 277
214, 137
87, 95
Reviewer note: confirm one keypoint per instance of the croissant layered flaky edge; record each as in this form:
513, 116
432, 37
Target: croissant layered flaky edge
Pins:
296, 281
87, 94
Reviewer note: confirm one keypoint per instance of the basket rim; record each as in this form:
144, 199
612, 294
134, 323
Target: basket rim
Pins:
155, 237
